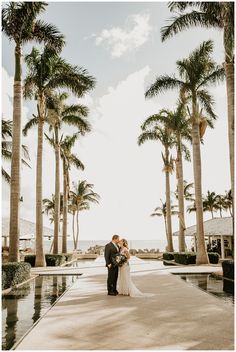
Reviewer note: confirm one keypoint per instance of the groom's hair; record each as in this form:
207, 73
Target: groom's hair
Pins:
115, 237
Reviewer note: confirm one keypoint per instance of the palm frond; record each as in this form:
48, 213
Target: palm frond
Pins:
31, 123
6, 176
162, 84
147, 136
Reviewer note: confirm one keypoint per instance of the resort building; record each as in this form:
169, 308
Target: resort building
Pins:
218, 235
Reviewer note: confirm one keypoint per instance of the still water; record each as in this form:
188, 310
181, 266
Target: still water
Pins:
219, 287
22, 307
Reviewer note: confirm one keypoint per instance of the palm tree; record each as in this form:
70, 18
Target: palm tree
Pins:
162, 134
20, 25
80, 198
49, 205
221, 204
219, 15
161, 211
229, 201
177, 122
7, 148
48, 209
188, 196
47, 71
61, 113
196, 73
210, 203
68, 159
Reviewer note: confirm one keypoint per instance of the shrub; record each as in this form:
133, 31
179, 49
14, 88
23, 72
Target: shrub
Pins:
213, 257
30, 258
185, 258
228, 269
14, 273
168, 256
54, 259
51, 259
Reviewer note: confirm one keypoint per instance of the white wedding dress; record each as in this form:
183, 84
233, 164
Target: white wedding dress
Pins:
126, 286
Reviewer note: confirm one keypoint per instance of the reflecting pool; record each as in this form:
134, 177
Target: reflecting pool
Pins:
22, 307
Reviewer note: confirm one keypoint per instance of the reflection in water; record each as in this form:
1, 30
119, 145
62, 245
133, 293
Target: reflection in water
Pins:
11, 320
38, 286
214, 285
22, 307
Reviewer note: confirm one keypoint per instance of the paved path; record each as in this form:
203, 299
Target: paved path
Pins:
178, 316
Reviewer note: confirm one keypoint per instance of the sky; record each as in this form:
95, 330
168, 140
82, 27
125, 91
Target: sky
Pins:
120, 45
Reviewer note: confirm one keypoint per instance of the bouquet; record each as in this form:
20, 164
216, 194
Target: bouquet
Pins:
119, 259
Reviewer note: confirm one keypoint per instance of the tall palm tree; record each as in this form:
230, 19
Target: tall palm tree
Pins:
20, 25
68, 159
177, 122
60, 114
196, 74
219, 15
81, 197
161, 211
210, 203
161, 133
7, 148
47, 71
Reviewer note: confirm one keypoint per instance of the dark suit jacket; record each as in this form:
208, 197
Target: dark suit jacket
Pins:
110, 251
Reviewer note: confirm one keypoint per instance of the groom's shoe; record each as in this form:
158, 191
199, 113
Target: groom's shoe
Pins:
112, 294
116, 292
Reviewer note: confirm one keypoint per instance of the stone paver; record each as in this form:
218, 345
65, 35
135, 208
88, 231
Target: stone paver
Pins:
178, 316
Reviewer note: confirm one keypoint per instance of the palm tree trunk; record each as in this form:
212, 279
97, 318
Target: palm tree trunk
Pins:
168, 206
77, 232
40, 258
166, 228
57, 193
179, 167
202, 257
229, 70
65, 207
212, 216
73, 226
15, 162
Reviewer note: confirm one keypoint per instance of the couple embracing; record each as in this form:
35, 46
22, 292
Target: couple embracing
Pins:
117, 262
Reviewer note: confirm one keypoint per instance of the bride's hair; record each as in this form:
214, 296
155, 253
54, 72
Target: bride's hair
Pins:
125, 242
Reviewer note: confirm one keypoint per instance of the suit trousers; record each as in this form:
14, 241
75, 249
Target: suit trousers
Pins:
112, 279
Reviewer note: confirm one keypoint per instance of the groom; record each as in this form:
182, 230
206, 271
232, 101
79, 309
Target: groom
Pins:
111, 249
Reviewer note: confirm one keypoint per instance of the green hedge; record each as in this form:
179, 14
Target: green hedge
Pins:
185, 258
228, 269
213, 257
54, 259
14, 273
189, 257
168, 256
51, 259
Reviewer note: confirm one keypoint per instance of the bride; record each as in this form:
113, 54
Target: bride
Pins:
125, 285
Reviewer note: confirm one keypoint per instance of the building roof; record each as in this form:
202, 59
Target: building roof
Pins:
212, 227
27, 228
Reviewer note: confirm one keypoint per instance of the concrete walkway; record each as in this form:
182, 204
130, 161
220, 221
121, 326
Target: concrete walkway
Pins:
178, 316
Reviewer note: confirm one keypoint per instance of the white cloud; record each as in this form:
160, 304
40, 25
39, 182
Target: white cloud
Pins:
119, 40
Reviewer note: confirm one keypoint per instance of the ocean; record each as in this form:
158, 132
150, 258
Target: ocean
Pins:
133, 244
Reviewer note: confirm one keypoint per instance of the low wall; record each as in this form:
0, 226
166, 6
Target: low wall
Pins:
86, 256
149, 255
